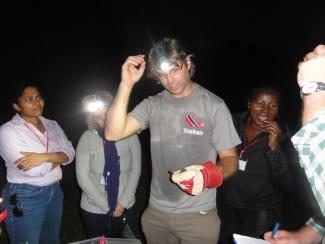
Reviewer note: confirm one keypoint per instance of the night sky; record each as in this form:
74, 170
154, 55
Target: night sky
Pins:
73, 50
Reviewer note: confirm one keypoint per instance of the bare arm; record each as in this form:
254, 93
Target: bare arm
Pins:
228, 162
31, 159
118, 123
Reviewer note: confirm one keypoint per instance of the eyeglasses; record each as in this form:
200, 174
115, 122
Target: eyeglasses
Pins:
17, 210
173, 72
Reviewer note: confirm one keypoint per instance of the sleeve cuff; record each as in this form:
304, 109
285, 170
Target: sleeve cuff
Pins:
315, 226
126, 201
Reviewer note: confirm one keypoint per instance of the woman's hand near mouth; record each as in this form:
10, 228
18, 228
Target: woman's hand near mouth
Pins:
273, 129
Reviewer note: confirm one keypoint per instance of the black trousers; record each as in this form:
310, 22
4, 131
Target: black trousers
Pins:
98, 224
253, 223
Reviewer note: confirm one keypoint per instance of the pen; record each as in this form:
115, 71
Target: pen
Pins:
275, 229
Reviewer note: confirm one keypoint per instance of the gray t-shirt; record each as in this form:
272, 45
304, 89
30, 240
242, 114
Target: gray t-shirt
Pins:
184, 131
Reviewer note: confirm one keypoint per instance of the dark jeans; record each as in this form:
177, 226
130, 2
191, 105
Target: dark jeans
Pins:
97, 224
253, 223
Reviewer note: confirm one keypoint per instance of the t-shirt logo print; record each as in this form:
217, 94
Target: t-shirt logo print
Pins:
192, 123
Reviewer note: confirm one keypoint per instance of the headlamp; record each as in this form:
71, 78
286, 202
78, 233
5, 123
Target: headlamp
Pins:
94, 105
164, 64
167, 55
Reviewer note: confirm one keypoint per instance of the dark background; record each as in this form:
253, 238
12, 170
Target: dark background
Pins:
73, 49
76, 49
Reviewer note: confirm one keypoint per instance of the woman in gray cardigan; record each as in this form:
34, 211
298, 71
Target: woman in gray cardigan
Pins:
100, 208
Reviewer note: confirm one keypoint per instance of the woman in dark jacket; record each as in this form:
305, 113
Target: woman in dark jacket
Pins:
253, 196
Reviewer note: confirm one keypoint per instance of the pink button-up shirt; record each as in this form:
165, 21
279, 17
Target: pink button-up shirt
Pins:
17, 135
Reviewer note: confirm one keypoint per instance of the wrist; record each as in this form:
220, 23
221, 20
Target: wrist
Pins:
126, 84
45, 157
212, 176
273, 147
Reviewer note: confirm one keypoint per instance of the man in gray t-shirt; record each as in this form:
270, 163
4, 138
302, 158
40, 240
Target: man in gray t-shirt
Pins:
190, 127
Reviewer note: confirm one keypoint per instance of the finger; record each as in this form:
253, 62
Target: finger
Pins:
27, 168
273, 127
119, 207
130, 63
267, 236
21, 160
299, 64
135, 59
319, 50
26, 153
272, 133
177, 171
140, 56
26, 165
117, 213
20, 166
309, 56
269, 127
275, 124
142, 66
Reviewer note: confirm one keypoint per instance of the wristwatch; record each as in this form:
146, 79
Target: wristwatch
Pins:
312, 87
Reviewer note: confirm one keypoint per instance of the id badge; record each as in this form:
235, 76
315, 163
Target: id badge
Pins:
102, 180
242, 164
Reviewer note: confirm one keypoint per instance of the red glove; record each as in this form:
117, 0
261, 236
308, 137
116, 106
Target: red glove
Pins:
195, 178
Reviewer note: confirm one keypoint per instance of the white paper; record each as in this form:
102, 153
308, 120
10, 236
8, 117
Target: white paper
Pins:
248, 240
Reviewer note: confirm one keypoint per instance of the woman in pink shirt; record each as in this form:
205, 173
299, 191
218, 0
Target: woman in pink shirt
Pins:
33, 149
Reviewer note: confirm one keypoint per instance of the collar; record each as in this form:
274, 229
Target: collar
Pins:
18, 120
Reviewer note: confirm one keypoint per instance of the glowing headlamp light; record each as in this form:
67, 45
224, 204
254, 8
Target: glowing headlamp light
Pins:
164, 65
94, 105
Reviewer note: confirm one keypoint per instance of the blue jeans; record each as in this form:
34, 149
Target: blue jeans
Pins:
42, 212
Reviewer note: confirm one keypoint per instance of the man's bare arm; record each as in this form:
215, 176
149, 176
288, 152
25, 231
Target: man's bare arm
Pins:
118, 123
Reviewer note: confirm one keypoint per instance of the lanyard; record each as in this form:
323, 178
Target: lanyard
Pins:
245, 143
46, 145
